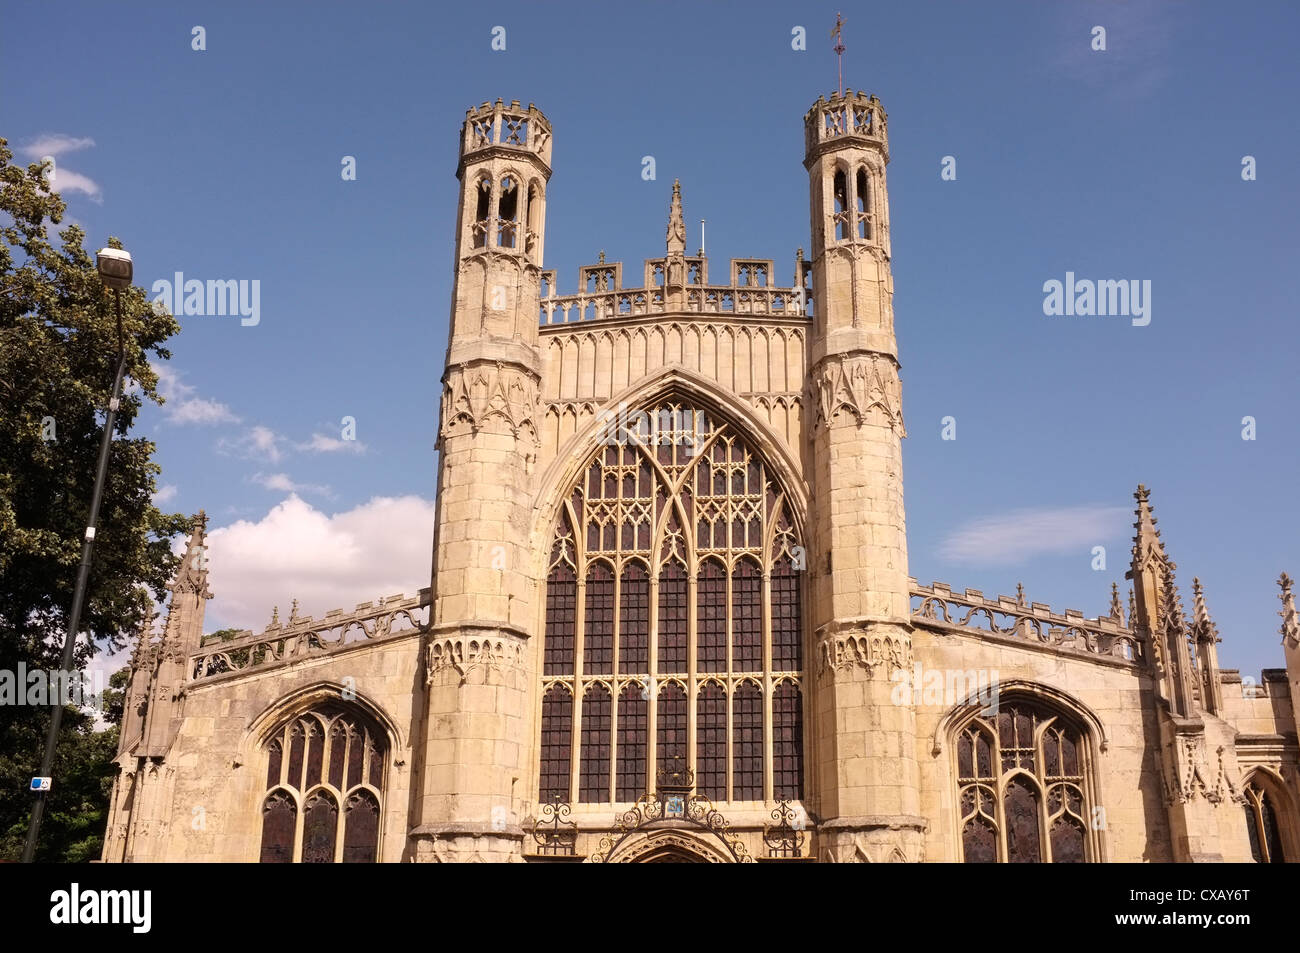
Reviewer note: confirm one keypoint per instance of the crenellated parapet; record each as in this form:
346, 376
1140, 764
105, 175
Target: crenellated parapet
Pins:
852, 117
938, 608
612, 302
676, 284
497, 127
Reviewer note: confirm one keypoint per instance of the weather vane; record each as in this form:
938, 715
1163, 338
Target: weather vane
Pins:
838, 34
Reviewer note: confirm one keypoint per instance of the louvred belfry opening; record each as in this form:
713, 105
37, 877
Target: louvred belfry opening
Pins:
674, 623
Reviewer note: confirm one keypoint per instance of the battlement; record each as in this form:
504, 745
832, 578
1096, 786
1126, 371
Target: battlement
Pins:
937, 606
508, 128
853, 117
752, 290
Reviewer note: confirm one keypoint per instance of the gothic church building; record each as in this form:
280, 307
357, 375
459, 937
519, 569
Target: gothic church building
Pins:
670, 615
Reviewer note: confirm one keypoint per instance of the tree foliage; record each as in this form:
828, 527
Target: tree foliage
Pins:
58, 355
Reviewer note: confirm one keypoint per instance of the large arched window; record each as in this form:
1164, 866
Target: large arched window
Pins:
325, 783
1262, 821
1023, 782
673, 619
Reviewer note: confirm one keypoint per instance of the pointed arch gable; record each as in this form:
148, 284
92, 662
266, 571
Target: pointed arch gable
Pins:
301, 700
958, 716
672, 380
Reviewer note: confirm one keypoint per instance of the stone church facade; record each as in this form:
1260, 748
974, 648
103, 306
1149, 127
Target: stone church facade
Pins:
670, 615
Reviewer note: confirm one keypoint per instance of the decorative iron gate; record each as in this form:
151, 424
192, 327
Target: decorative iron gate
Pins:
673, 806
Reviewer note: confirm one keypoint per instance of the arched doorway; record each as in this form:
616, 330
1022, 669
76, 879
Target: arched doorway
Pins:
668, 847
672, 825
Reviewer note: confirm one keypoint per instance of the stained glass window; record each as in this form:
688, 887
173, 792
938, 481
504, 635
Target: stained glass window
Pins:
557, 735
633, 717
787, 743
593, 775
332, 748
1021, 781
747, 743
667, 554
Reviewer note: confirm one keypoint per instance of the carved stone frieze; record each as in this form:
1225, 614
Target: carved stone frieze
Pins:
463, 654
454, 845
857, 384
487, 396
843, 651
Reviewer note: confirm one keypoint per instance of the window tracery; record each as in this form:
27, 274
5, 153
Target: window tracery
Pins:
1023, 783
1262, 824
324, 782
673, 619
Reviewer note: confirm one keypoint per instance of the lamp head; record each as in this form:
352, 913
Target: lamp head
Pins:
114, 266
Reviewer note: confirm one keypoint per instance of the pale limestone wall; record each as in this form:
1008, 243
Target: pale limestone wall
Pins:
1265, 710
585, 365
215, 733
1120, 696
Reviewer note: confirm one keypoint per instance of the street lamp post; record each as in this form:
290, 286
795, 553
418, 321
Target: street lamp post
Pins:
115, 270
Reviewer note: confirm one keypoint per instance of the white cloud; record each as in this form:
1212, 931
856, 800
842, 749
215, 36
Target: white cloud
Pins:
319, 443
1022, 534
182, 407
379, 548
257, 443
54, 144
165, 494
285, 484
64, 180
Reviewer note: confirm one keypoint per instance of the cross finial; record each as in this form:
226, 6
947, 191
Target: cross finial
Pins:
838, 34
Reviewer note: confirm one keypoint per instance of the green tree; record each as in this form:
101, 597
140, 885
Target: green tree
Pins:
58, 355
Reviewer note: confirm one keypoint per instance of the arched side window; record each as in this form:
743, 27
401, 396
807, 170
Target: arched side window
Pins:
840, 218
863, 203
325, 783
508, 213
686, 622
534, 215
1023, 783
1262, 823
482, 210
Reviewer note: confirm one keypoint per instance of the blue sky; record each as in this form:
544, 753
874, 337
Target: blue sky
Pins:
225, 163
